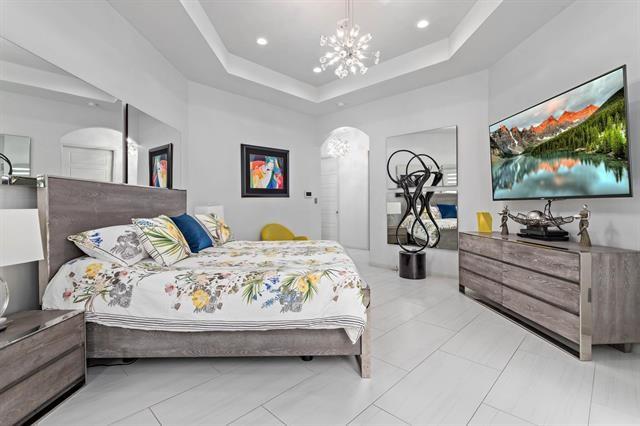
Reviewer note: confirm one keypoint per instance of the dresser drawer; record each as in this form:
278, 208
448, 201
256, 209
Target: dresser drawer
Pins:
555, 319
27, 396
484, 266
554, 262
29, 354
486, 246
561, 293
483, 286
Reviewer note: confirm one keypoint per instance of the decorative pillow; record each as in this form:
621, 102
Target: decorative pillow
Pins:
162, 239
214, 224
449, 211
118, 244
195, 234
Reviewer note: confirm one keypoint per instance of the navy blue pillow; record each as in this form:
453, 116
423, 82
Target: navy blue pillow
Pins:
448, 211
193, 232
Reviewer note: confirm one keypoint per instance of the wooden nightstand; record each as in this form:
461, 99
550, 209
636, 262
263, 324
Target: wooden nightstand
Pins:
42, 359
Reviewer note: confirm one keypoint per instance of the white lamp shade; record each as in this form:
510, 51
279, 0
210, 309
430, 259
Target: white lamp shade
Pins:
20, 238
394, 208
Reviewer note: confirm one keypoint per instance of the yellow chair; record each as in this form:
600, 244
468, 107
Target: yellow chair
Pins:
277, 232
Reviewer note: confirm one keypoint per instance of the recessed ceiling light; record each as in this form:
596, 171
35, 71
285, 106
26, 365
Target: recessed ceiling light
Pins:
340, 104
92, 104
262, 41
422, 24
317, 70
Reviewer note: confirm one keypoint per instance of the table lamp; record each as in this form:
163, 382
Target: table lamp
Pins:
20, 242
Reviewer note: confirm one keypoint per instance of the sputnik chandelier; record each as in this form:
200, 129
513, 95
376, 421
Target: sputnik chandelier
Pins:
338, 147
349, 50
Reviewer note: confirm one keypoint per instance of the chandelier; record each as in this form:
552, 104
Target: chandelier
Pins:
338, 147
348, 49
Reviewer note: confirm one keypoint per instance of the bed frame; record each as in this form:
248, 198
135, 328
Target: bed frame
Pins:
68, 206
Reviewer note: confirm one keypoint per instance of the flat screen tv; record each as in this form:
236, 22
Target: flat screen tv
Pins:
574, 145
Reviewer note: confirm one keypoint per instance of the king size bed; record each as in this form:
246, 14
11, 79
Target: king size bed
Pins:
243, 298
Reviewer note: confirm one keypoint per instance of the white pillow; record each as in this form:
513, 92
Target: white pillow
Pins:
118, 244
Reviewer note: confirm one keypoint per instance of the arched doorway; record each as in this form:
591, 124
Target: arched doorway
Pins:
92, 153
345, 187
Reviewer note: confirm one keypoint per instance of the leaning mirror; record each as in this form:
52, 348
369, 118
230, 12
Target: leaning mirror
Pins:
64, 126
153, 152
16, 155
441, 229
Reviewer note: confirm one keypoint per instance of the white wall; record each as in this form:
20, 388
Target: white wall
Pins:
353, 188
46, 121
587, 39
218, 123
462, 102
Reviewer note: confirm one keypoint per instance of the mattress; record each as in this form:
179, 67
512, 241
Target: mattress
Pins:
242, 285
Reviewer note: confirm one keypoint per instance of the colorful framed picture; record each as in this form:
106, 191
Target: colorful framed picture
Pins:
265, 171
161, 166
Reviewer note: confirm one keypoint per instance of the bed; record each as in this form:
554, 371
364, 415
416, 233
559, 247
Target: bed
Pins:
319, 306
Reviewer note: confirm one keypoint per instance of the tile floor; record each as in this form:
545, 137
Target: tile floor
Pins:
439, 358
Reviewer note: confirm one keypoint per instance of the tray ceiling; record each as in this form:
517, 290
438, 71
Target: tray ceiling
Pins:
213, 42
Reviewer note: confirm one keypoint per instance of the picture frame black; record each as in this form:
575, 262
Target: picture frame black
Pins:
247, 152
166, 152
590, 196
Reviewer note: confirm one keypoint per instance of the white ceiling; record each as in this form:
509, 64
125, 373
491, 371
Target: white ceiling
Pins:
294, 28
212, 42
23, 72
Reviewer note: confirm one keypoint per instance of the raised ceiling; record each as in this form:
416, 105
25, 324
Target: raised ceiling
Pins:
293, 28
212, 42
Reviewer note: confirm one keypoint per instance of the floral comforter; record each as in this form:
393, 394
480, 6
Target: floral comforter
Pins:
242, 285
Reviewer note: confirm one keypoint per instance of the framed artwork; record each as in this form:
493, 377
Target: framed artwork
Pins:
265, 171
161, 166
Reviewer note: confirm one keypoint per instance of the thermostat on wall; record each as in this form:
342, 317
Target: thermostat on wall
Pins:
308, 194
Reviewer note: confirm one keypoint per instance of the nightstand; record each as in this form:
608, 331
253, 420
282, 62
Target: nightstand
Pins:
42, 360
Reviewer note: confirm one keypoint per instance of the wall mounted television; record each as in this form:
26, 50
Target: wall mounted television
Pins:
574, 145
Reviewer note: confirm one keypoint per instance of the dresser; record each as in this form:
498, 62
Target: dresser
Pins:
577, 296
42, 360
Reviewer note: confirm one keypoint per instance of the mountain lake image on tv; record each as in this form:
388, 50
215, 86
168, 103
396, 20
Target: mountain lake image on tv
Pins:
574, 145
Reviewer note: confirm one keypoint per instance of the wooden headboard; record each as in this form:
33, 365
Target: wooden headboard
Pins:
68, 206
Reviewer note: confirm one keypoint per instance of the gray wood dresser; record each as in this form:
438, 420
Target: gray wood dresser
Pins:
578, 296
42, 358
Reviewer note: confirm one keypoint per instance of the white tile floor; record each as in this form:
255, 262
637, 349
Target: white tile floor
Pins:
439, 358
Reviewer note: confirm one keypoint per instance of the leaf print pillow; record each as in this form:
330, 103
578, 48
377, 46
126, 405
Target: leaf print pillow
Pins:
216, 226
162, 239
117, 244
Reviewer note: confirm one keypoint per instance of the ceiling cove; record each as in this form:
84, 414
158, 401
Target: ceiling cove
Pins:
416, 59
214, 43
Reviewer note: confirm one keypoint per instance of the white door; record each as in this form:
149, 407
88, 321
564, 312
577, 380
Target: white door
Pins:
87, 163
329, 198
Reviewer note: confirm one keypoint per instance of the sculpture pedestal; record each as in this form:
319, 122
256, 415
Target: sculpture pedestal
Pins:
413, 266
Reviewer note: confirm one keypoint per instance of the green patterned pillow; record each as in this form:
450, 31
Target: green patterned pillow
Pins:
162, 239
217, 228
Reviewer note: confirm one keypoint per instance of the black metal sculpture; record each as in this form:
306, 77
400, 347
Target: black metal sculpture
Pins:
412, 260
6, 160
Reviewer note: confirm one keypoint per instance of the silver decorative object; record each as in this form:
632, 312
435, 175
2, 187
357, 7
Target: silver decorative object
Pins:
503, 221
583, 232
536, 218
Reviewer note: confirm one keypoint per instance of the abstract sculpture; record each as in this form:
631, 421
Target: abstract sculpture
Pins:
412, 261
6, 160
583, 233
503, 221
